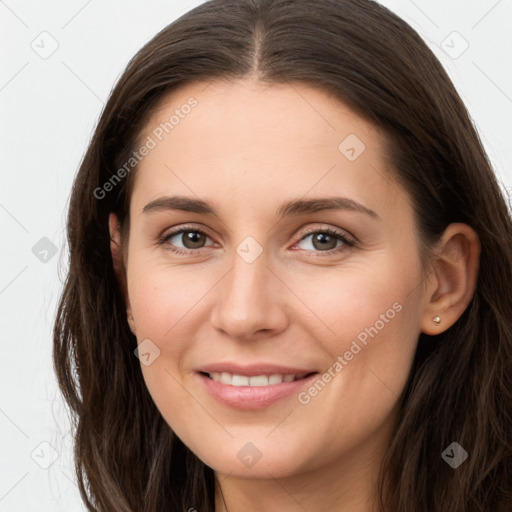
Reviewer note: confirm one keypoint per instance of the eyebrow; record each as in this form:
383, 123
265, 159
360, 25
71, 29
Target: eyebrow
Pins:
294, 208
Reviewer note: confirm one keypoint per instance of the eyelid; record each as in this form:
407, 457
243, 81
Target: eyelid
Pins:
177, 230
318, 227
185, 227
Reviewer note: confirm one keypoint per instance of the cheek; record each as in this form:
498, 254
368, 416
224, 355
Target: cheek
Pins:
163, 295
369, 315
165, 301
361, 294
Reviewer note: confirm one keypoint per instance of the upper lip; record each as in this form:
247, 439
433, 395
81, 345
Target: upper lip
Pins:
251, 370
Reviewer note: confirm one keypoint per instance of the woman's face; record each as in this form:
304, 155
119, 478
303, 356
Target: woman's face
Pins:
308, 266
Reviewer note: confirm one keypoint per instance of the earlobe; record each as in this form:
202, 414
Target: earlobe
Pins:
453, 276
119, 267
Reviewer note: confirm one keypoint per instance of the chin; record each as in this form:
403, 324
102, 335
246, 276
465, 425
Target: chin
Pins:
258, 460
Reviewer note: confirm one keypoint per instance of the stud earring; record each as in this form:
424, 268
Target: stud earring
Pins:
437, 320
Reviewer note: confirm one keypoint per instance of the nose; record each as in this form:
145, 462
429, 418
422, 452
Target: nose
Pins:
249, 301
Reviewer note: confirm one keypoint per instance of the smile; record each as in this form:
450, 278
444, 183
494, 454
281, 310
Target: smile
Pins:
253, 392
257, 380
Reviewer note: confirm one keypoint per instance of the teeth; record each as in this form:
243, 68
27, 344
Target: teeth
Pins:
257, 380
240, 380
275, 379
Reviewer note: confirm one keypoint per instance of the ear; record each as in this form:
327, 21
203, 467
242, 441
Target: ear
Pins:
453, 278
119, 266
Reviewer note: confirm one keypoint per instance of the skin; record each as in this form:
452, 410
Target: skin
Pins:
247, 148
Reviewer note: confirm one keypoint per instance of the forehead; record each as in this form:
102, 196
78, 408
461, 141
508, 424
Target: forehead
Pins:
243, 140
274, 115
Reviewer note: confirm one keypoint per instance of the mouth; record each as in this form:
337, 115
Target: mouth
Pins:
255, 388
233, 379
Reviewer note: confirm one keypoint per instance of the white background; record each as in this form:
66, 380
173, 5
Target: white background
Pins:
49, 109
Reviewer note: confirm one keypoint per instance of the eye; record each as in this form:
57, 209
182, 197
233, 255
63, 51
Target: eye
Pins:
191, 239
327, 241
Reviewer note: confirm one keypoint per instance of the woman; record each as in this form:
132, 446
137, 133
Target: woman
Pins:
334, 330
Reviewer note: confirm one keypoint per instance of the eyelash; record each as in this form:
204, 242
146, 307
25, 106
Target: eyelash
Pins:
348, 242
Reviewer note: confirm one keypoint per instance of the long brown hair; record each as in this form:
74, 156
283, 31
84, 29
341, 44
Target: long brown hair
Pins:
460, 387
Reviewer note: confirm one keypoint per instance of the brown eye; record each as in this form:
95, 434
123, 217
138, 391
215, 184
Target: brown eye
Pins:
185, 240
326, 241
193, 239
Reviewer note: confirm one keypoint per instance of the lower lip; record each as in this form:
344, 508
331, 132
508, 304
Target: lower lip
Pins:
253, 397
